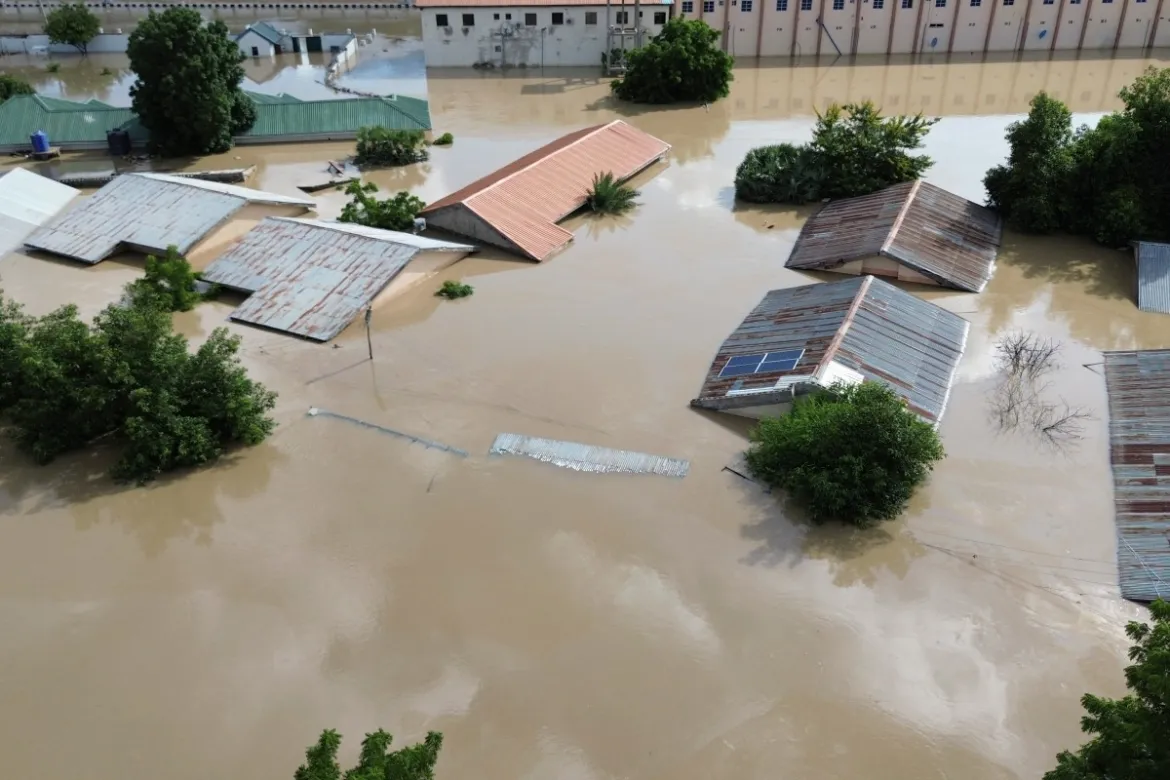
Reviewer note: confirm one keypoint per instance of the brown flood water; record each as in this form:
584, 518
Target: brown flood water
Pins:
563, 625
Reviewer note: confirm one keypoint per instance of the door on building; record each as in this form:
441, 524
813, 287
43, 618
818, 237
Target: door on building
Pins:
313, 43
873, 28
255, 51
277, 47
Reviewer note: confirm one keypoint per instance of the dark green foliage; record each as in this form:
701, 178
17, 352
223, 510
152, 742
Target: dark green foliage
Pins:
608, 196
683, 63
395, 213
53, 67
188, 90
377, 146
11, 86
446, 139
854, 453
169, 283
1130, 737
452, 290
73, 25
376, 762
854, 151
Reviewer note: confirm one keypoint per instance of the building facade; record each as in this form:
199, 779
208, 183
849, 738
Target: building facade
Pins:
533, 35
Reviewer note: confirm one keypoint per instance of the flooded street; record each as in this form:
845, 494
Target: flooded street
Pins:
555, 624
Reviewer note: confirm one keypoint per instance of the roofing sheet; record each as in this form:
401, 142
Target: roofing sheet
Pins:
322, 117
312, 278
27, 201
1153, 276
524, 200
80, 123
1138, 384
586, 457
265, 31
865, 324
522, 3
146, 211
934, 232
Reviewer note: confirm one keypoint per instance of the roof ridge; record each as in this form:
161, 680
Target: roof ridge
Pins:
893, 234
839, 336
590, 132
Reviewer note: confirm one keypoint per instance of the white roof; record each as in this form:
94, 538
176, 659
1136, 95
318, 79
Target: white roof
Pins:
393, 236
27, 201
250, 195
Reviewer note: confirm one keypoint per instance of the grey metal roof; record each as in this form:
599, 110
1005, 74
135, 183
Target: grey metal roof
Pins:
864, 324
311, 278
1153, 276
1138, 384
265, 31
147, 212
929, 230
28, 200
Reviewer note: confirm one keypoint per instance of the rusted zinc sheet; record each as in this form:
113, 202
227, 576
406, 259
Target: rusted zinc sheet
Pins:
925, 228
864, 325
1138, 384
147, 212
1153, 276
312, 278
518, 206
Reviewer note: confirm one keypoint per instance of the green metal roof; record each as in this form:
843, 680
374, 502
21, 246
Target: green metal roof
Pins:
265, 31
317, 117
64, 121
259, 98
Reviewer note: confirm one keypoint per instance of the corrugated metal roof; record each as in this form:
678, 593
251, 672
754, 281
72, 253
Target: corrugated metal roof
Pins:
260, 98
865, 324
265, 31
66, 125
523, 201
27, 201
1138, 384
929, 230
310, 278
148, 212
586, 457
337, 117
526, 4
1153, 276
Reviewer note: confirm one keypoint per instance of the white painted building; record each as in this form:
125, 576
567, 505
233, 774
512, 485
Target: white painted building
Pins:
462, 33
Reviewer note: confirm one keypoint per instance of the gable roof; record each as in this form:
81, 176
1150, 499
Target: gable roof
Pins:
861, 328
265, 31
934, 232
67, 123
28, 200
524, 200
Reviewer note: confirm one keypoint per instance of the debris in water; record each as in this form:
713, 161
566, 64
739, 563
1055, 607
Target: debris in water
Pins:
434, 445
585, 457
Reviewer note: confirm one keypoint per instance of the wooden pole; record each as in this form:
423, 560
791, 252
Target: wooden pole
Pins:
369, 341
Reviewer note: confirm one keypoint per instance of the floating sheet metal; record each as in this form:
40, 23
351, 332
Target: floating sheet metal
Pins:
147, 212
27, 201
585, 457
1138, 384
1153, 276
311, 278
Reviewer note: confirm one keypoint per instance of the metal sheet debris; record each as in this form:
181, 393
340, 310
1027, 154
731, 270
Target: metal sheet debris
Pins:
585, 457
434, 445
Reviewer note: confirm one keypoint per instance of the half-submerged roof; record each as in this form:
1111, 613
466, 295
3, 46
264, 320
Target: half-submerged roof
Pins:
27, 201
1153, 276
929, 230
817, 334
1139, 438
518, 206
148, 212
312, 278
265, 31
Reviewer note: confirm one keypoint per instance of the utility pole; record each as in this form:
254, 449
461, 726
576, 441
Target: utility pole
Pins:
369, 341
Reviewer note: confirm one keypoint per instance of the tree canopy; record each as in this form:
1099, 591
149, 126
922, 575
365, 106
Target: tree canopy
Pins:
394, 213
854, 151
11, 86
379, 146
1130, 736
73, 25
376, 762
682, 63
854, 453
1105, 182
188, 90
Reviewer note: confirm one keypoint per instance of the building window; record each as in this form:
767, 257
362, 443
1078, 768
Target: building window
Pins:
940, 3
708, 6
1009, 2
469, 20
976, 3
688, 6
781, 5
838, 5
507, 17
590, 17
529, 20
745, 5
623, 17
907, 3
1075, 2
879, 4
558, 18
495, 17
806, 5
441, 20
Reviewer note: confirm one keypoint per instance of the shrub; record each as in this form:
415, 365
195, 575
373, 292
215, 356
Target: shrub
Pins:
396, 213
682, 63
446, 139
377, 146
11, 86
783, 173
608, 196
169, 283
452, 290
854, 453
375, 761
73, 25
53, 67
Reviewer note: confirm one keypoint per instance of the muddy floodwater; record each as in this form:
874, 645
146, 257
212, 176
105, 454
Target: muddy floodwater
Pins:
555, 624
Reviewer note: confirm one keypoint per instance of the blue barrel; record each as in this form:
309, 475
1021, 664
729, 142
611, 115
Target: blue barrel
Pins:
40, 142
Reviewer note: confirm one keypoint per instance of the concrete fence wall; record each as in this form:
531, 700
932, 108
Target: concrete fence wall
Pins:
107, 43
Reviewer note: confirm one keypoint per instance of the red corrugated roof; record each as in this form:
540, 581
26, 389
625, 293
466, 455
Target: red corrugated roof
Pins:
524, 200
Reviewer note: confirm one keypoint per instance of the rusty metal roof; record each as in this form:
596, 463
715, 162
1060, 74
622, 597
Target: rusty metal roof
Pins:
1138, 384
1153, 276
518, 206
147, 212
934, 232
312, 278
861, 325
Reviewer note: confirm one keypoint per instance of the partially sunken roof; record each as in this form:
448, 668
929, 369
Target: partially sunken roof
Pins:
517, 207
312, 278
856, 329
265, 31
1153, 276
929, 230
148, 212
27, 201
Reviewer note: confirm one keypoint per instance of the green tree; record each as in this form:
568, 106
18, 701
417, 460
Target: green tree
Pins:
609, 196
14, 330
169, 283
11, 86
188, 90
683, 63
394, 213
73, 25
1130, 737
379, 146
376, 762
854, 151
854, 453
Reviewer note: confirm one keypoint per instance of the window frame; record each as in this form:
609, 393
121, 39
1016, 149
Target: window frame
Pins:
591, 18
553, 21
467, 23
441, 20
530, 19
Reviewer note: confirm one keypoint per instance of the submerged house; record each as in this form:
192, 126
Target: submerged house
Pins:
913, 232
1153, 276
803, 339
517, 208
27, 201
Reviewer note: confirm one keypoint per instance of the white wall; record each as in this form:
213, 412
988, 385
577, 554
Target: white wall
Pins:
572, 43
107, 43
251, 40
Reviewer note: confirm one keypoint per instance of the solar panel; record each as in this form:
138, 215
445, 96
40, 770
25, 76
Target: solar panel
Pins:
766, 363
